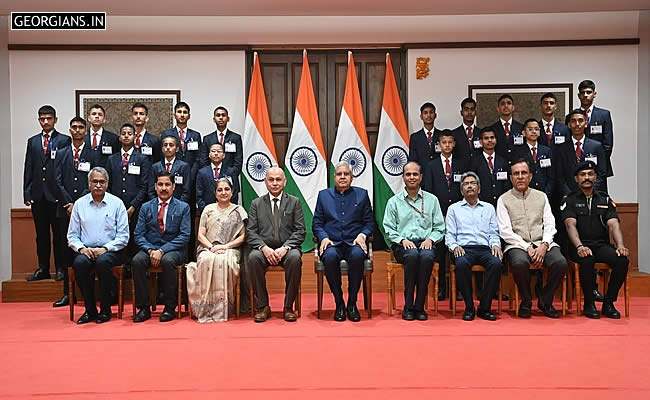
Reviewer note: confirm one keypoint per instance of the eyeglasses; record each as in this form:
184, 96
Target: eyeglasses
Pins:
96, 182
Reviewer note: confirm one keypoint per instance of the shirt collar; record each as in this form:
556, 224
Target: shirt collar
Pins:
464, 202
443, 158
405, 193
544, 122
172, 161
466, 126
582, 141
486, 155
271, 197
81, 148
530, 146
130, 152
503, 122
168, 200
591, 108
99, 132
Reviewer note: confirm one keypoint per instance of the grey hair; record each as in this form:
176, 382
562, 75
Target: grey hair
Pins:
473, 175
342, 164
99, 170
226, 179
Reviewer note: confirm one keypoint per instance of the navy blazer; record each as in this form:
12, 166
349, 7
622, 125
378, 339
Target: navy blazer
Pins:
180, 172
109, 139
206, 185
147, 234
192, 157
150, 140
602, 117
232, 159
72, 183
558, 129
543, 177
566, 164
419, 148
491, 187
434, 181
131, 188
506, 147
341, 217
39, 179
464, 149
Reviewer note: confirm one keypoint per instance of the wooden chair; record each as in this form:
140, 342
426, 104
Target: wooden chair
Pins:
118, 273
277, 268
475, 268
319, 268
533, 267
391, 268
607, 269
154, 273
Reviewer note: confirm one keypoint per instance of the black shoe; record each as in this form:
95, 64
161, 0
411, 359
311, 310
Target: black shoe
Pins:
339, 314
610, 311
597, 296
524, 311
142, 315
468, 315
168, 314
590, 310
39, 275
59, 275
486, 315
551, 312
86, 318
353, 313
408, 315
103, 316
62, 302
421, 315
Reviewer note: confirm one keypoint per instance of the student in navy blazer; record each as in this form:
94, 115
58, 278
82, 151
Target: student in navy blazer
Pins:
599, 123
494, 181
506, 143
467, 134
542, 165
553, 132
104, 143
231, 141
145, 142
178, 169
421, 148
206, 178
161, 234
39, 191
189, 149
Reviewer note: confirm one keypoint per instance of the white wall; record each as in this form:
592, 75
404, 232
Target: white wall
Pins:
643, 178
205, 79
612, 68
5, 158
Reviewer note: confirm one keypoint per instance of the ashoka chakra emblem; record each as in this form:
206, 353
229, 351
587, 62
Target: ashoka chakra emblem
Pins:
394, 160
356, 159
256, 166
303, 161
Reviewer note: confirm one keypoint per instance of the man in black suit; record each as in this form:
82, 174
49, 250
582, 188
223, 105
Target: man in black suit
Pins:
491, 168
554, 132
275, 232
73, 163
39, 192
442, 179
467, 135
104, 143
539, 158
507, 130
599, 125
179, 170
145, 142
423, 144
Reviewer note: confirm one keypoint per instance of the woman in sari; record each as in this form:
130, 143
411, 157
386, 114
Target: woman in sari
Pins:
211, 279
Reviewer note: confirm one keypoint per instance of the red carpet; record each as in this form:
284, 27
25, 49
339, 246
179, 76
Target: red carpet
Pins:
44, 355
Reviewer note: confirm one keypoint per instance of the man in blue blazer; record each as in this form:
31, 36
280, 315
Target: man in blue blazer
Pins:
207, 177
179, 170
342, 221
599, 124
553, 132
467, 134
506, 129
539, 158
73, 163
423, 144
145, 142
39, 191
162, 232
491, 168
104, 143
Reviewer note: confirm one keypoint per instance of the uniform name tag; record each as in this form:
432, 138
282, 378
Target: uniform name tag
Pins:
593, 159
134, 169
596, 129
502, 176
84, 166
178, 180
559, 139
545, 162
438, 149
230, 147
52, 154
457, 177
192, 145
146, 150
477, 144
518, 140
107, 150
602, 206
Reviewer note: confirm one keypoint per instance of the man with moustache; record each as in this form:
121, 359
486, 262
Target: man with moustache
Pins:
104, 143
467, 135
423, 144
590, 216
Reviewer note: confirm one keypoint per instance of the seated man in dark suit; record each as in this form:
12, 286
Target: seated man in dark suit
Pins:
491, 168
162, 232
98, 232
342, 221
467, 134
275, 232
178, 169
145, 142
554, 132
506, 129
72, 166
423, 144
207, 177
104, 143
539, 158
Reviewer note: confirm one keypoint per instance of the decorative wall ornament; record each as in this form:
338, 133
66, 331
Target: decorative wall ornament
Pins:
422, 67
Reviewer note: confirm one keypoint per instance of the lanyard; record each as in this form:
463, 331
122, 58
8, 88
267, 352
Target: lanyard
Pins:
421, 212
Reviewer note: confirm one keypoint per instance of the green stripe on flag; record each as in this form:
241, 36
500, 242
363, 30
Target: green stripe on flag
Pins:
292, 188
383, 192
248, 194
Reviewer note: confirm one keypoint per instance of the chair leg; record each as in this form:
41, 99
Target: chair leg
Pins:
73, 295
299, 299
365, 293
436, 282
452, 295
578, 290
319, 284
389, 289
179, 279
627, 295
392, 288
237, 294
516, 290
499, 302
564, 306
153, 290
133, 297
368, 294
120, 294
251, 300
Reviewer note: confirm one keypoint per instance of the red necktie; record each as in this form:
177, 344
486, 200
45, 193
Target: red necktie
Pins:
429, 138
448, 171
125, 161
587, 112
161, 216
578, 151
507, 128
490, 163
137, 140
76, 157
534, 150
46, 143
182, 135
549, 134
94, 140
221, 138
216, 173
169, 167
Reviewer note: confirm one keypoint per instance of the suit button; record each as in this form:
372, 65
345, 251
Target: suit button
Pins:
493, 185
44, 168
123, 190
75, 179
123, 179
75, 190
43, 179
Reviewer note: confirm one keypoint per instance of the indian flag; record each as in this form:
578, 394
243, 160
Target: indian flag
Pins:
392, 147
351, 138
305, 165
258, 147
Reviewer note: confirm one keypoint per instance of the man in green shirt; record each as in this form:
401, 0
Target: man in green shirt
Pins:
414, 224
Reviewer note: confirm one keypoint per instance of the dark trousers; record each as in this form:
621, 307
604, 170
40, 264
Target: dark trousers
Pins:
554, 262
605, 253
478, 255
191, 255
103, 265
441, 257
131, 248
417, 272
355, 257
169, 282
44, 215
68, 253
292, 263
